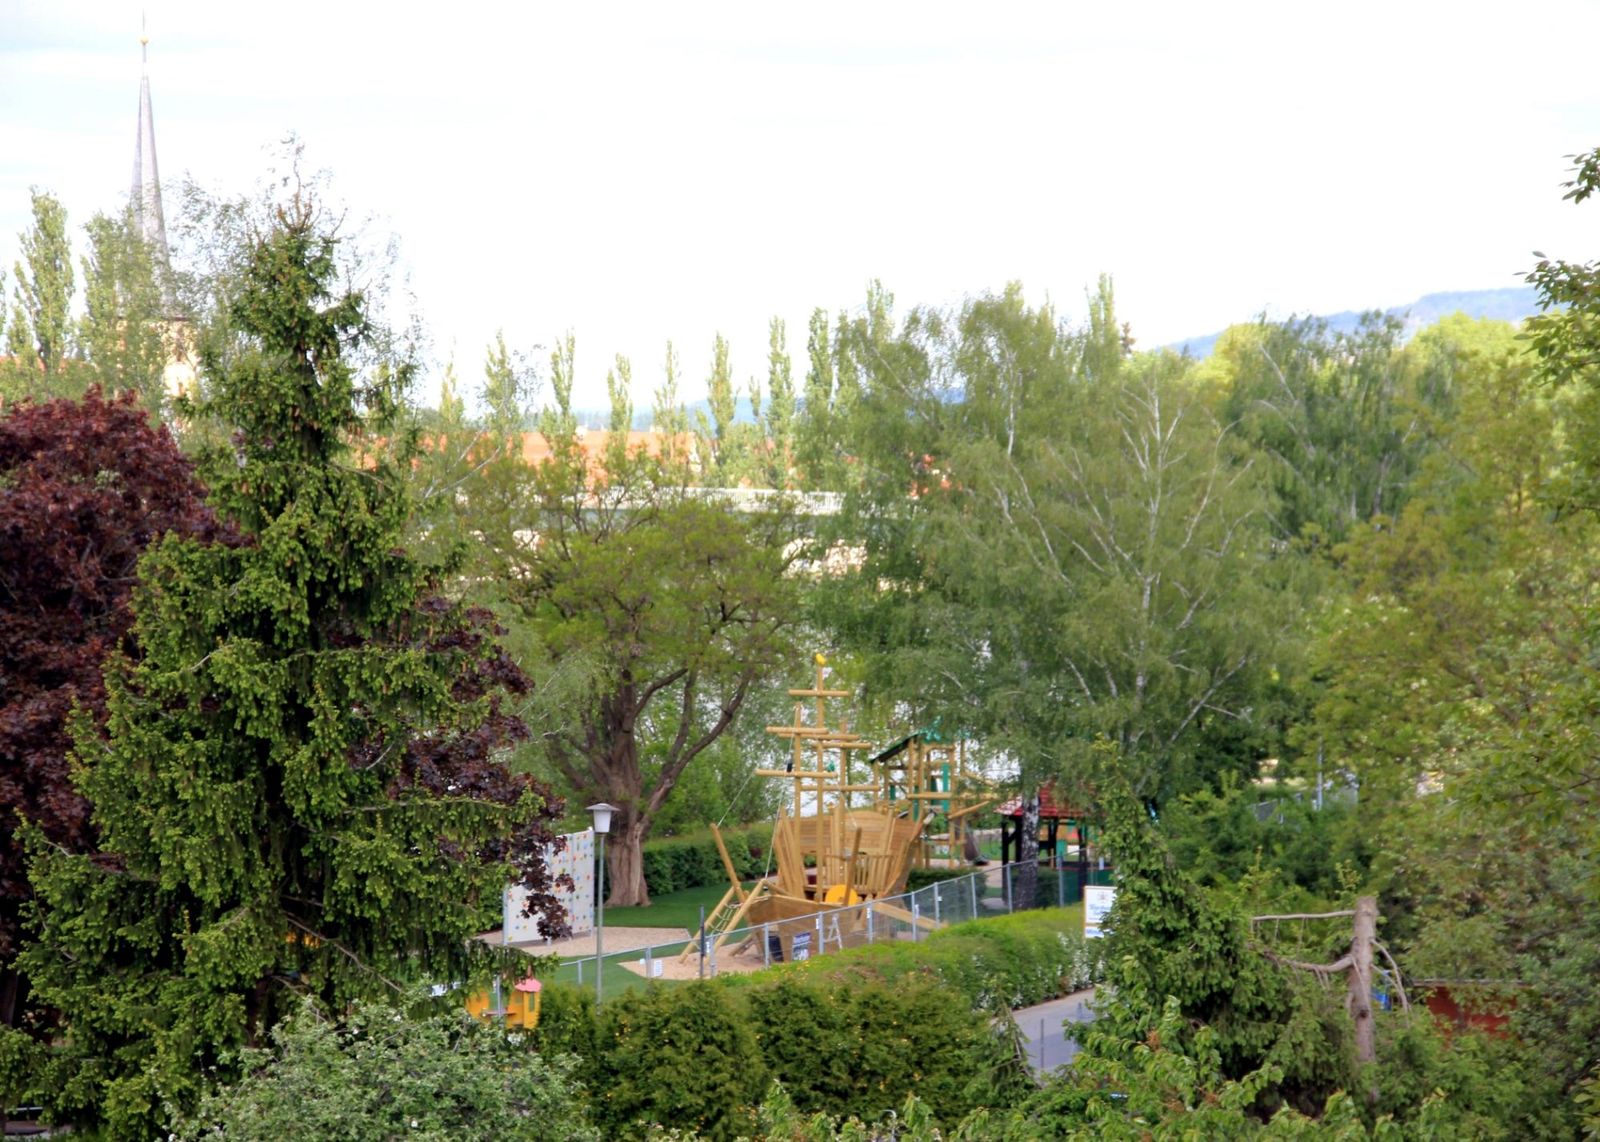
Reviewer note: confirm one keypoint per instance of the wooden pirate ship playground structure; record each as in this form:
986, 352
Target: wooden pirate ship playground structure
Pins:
851, 830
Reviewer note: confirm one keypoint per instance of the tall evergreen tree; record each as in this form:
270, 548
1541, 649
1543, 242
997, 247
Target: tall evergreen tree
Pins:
298, 790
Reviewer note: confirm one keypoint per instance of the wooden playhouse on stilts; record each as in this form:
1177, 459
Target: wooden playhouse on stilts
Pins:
848, 835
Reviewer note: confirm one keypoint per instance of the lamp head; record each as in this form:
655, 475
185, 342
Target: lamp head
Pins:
601, 812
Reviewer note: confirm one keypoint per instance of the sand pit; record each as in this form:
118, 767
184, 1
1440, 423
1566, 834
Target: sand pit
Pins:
726, 963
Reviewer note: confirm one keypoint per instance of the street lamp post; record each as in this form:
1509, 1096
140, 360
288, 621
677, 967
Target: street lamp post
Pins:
601, 812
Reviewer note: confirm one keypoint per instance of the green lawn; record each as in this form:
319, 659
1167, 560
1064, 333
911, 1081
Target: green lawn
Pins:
672, 910
679, 910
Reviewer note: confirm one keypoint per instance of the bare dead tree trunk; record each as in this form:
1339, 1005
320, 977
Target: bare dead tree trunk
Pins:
1360, 996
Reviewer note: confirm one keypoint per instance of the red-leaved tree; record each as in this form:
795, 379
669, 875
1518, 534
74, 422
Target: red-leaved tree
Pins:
85, 487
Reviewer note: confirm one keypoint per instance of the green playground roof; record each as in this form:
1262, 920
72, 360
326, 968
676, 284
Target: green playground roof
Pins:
933, 733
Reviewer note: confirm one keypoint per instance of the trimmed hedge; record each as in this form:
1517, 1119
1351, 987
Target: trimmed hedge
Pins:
683, 1057
701, 1056
922, 877
675, 863
1003, 961
863, 1050
851, 1032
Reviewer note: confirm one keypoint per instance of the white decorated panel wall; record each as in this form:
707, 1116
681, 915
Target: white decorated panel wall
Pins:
575, 860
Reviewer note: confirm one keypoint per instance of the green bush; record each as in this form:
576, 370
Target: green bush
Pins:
913, 1039
922, 877
683, 1057
701, 1057
994, 963
387, 1073
567, 1024
852, 1032
801, 1034
676, 863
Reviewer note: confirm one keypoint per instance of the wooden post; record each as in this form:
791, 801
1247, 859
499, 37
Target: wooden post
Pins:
850, 868
1360, 1000
727, 862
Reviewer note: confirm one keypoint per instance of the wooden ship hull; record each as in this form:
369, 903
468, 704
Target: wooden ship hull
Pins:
833, 856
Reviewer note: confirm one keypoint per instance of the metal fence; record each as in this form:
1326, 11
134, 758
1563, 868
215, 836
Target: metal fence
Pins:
909, 917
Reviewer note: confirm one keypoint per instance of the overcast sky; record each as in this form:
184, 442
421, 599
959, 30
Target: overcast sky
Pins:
635, 173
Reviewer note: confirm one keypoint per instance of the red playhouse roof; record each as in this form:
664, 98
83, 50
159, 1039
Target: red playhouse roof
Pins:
1049, 808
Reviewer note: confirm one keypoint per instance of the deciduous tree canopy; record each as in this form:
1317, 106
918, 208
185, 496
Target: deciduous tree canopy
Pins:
85, 488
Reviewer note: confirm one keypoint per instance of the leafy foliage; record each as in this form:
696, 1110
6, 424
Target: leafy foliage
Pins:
863, 1049
386, 1072
1566, 336
1457, 685
297, 790
40, 328
85, 488
1220, 837
681, 1056
1061, 543
1343, 419
656, 610
125, 314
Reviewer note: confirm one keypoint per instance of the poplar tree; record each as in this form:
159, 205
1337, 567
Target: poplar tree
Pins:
779, 420
815, 432
671, 419
298, 790
619, 390
121, 326
723, 404
42, 291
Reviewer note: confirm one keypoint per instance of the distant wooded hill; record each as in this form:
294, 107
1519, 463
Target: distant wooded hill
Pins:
1512, 304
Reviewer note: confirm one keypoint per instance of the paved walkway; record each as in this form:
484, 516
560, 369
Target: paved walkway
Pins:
1045, 1028
618, 940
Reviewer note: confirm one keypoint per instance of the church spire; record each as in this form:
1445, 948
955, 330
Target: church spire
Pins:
146, 198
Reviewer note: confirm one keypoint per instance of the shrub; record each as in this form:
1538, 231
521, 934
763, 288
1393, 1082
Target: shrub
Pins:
683, 1057
801, 1034
922, 877
862, 1050
676, 863
852, 1032
910, 1038
567, 1024
385, 1073
994, 963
